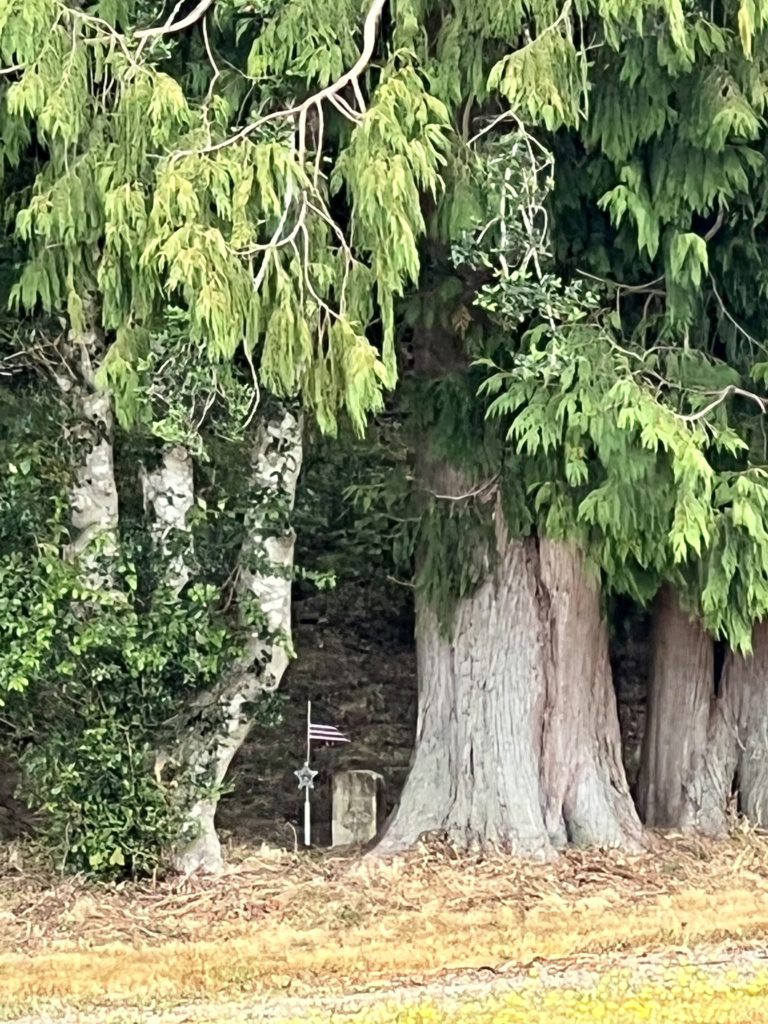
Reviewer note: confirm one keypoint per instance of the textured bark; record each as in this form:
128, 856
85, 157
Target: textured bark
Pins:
703, 743
517, 743
748, 684
221, 721
586, 796
737, 755
671, 783
169, 491
93, 498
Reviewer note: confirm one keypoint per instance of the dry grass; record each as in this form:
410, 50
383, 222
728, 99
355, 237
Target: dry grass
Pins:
290, 924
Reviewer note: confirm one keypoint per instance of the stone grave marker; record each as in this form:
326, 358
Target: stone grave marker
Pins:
358, 807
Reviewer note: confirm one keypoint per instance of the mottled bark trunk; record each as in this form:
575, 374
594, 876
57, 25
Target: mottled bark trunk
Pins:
169, 493
704, 743
220, 721
93, 497
517, 743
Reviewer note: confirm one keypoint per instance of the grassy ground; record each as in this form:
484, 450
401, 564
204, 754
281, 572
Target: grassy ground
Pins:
422, 939
640, 990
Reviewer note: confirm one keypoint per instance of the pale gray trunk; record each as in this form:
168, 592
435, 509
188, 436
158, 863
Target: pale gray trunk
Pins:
703, 743
475, 773
169, 493
222, 719
517, 743
93, 497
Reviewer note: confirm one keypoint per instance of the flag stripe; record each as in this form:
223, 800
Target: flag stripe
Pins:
326, 732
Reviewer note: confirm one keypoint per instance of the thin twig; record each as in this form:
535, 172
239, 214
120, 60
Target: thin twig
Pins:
728, 316
483, 488
648, 287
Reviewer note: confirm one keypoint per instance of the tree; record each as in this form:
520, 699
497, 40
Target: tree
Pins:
678, 186
241, 200
627, 441
185, 166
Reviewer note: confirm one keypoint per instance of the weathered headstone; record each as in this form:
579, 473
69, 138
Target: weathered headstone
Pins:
358, 807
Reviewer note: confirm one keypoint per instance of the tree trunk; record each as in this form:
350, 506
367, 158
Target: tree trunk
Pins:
747, 680
169, 491
587, 798
220, 721
517, 743
672, 786
93, 498
703, 742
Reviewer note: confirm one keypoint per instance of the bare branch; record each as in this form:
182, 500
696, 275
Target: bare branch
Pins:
720, 397
330, 92
729, 317
716, 226
649, 287
172, 26
485, 491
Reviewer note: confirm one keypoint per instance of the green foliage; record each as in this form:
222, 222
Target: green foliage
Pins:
568, 194
97, 707
306, 44
621, 457
94, 696
354, 517
93, 679
175, 182
174, 392
394, 157
461, 469
544, 80
623, 338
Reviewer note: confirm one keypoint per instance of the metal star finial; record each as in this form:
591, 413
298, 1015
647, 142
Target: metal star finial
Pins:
306, 777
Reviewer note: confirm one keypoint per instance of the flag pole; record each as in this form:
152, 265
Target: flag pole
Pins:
309, 720
307, 819
307, 835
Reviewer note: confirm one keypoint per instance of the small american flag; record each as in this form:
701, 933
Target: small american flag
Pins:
326, 734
